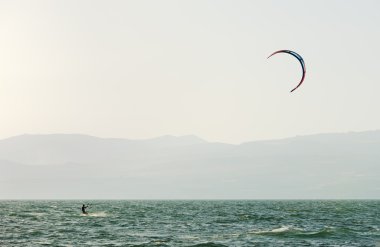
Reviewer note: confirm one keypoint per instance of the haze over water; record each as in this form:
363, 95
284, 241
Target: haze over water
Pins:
191, 223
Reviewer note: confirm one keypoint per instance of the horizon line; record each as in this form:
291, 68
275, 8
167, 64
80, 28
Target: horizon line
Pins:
191, 135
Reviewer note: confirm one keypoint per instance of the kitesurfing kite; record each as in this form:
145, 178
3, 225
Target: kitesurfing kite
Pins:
300, 59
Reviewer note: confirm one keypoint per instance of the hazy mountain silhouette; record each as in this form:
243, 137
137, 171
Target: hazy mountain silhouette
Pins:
79, 166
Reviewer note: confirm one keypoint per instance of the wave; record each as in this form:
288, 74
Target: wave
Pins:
276, 231
208, 244
96, 214
37, 214
290, 231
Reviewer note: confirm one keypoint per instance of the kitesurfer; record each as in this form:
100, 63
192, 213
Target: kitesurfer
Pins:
84, 209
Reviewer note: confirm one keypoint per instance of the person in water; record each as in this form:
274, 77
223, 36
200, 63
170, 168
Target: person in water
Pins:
84, 209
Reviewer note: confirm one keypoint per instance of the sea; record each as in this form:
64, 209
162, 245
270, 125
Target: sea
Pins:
198, 223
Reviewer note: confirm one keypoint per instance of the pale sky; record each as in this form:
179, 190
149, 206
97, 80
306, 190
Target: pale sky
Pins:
141, 69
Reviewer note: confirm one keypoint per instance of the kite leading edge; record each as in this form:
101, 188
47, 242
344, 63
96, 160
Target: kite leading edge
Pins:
299, 58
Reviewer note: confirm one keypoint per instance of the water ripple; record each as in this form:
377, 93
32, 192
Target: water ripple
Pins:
190, 223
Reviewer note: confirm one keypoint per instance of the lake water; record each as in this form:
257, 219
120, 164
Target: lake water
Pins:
190, 223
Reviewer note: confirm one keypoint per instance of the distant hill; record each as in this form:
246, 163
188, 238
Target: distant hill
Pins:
78, 166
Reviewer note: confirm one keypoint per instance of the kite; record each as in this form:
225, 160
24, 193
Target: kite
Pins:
299, 58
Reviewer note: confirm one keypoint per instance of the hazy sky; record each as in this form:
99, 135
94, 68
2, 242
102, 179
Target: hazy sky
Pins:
140, 69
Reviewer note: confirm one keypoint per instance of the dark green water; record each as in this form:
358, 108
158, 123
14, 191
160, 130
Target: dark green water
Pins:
190, 223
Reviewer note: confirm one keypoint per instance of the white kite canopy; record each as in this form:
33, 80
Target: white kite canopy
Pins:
299, 58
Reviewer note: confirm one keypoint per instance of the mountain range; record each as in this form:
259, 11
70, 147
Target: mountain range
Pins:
71, 166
